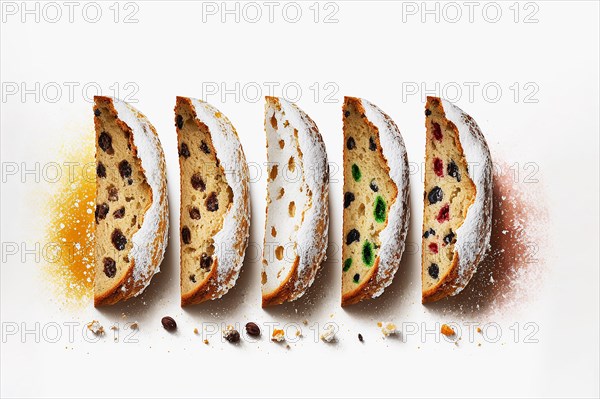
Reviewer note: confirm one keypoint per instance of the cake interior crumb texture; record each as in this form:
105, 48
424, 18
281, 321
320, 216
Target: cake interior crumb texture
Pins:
369, 192
122, 197
449, 192
205, 199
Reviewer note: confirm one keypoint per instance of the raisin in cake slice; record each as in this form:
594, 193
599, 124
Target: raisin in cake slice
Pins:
131, 202
457, 200
297, 217
215, 210
376, 208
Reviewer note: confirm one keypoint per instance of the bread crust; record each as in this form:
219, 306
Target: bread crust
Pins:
222, 276
463, 268
147, 258
380, 278
298, 281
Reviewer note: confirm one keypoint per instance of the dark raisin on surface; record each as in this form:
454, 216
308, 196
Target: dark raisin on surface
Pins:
452, 170
105, 142
348, 198
96, 112
347, 114
184, 151
435, 195
232, 336
353, 235
212, 202
427, 112
193, 278
119, 213
372, 144
252, 329
356, 278
204, 147
350, 143
179, 121
205, 261
198, 182
124, 169
186, 235
110, 267
101, 211
113, 193
101, 170
374, 186
169, 323
195, 213
433, 270
360, 337
118, 239
437, 131
448, 238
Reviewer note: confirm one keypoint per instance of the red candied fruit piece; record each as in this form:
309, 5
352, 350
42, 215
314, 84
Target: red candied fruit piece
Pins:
437, 131
438, 167
444, 214
433, 247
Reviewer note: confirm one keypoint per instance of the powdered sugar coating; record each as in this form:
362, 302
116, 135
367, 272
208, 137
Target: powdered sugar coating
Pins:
231, 241
394, 234
473, 236
311, 245
148, 243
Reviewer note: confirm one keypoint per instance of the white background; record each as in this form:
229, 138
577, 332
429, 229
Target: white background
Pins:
372, 51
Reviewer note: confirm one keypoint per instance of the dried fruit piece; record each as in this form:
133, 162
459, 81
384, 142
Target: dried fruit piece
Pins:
101, 211
205, 261
347, 264
356, 278
448, 238
379, 211
447, 330
435, 195
105, 143
430, 232
169, 323
198, 182
360, 337
348, 198
184, 150
452, 170
118, 239
356, 175
367, 254
204, 147
110, 267
433, 247
195, 213
427, 112
96, 112
119, 213
437, 131
179, 121
438, 167
433, 270
372, 144
252, 329
374, 186
353, 235
231, 335
113, 193
101, 170
444, 214
124, 169
186, 235
212, 202
350, 143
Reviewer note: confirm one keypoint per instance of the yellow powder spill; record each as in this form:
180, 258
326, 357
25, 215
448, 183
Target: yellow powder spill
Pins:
70, 229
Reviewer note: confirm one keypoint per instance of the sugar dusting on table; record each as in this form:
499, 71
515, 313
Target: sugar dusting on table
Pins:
69, 261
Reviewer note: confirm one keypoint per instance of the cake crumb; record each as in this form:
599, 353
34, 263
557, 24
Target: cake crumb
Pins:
95, 327
298, 333
134, 325
387, 328
278, 335
447, 330
328, 334
305, 322
195, 331
206, 342
379, 324
479, 330
114, 327
288, 346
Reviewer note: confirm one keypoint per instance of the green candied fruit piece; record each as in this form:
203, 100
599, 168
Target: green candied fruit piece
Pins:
367, 253
347, 264
356, 278
356, 175
380, 209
